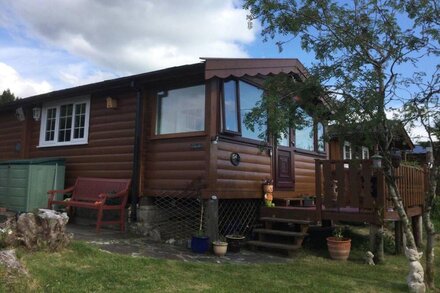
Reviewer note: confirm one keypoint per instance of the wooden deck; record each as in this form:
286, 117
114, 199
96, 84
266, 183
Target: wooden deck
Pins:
350, 190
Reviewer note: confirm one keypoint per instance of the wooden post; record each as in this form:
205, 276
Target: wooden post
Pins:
211, 218
398, 236
417, 227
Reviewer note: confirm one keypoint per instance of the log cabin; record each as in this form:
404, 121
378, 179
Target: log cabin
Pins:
178, 133
167, 129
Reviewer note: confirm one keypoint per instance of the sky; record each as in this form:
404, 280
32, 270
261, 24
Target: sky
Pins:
48, 45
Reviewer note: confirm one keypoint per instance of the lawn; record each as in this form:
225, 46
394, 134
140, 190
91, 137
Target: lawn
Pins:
84, 268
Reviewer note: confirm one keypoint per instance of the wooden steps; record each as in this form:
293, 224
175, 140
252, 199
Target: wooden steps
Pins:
288, 236
279, 232
282, 220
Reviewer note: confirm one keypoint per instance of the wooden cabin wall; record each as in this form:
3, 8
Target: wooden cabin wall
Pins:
109, 152
335, 150
172, 165
244, 180
11, 134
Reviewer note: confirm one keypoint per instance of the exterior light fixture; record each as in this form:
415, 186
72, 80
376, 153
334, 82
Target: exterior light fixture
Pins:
215, 140
396, 158
36, 113
377, 161
112, 103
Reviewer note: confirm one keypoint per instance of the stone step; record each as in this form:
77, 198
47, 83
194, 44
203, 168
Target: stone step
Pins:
287, 247
282, 220
280, 232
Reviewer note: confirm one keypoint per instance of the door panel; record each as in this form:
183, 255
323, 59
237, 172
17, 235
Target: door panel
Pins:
284, 168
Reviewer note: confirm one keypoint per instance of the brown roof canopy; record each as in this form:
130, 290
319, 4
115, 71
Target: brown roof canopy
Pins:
238, 67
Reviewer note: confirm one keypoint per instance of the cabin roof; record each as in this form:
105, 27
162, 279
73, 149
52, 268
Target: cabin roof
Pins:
238, 67
401, 138
209, 68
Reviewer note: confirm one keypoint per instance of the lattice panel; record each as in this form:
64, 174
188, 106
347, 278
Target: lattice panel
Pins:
179, 216
237, 216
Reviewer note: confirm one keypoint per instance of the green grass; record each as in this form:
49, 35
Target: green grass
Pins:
84, 268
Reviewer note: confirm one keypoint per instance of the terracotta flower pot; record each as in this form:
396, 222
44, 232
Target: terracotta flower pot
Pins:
338, 248
220, 248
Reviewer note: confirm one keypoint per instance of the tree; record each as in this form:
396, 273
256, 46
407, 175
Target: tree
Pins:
361, 48
424, 108
7, 96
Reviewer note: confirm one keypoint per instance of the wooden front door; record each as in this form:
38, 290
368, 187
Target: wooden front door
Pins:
284, 166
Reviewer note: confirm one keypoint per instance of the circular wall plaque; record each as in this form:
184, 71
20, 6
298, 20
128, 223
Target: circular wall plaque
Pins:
235, 159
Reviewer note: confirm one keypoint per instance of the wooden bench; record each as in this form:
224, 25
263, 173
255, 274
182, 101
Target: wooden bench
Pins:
96, 193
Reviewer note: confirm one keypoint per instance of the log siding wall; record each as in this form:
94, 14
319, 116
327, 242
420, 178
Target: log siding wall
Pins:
109, 152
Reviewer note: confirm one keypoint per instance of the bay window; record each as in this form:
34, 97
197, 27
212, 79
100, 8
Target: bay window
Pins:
239, 98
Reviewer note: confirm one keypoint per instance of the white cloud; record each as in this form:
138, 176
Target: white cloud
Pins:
136, 35
22, 87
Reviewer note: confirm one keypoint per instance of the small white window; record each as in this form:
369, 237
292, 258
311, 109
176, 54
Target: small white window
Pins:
365, 153
347, 154
65, 122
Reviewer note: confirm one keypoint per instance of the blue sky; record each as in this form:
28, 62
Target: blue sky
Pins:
47, 45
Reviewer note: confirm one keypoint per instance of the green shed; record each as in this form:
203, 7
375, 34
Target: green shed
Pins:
24, 183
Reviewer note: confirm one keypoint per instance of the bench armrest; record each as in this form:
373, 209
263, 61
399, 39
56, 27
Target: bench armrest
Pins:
52, 193
104, 196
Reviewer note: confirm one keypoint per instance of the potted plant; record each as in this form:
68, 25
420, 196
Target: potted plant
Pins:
234, 242
338, 245
199, 241
220, 247
308, 201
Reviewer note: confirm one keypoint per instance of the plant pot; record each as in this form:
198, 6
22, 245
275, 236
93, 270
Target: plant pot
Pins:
268, 188
234, 242
200, 244
308, 202
220, 248
338, 248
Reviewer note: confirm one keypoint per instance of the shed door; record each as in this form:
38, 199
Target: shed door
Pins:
284, 165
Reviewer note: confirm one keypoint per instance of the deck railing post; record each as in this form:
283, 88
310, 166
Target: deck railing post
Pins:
318, 190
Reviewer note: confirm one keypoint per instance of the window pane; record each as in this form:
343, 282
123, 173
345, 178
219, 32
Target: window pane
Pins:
320, 134
284, 140
249, 96
65, 128
80, 118
50, 124
347, 151
230, 96
304, 138
181, 110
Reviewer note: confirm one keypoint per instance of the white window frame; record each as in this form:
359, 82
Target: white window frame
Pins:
346, 143
365, 149
57, 105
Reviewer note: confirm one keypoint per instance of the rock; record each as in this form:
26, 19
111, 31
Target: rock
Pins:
45, 229
10, 261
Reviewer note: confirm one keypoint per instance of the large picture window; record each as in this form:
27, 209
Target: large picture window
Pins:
65, 122
239, 98
181, 110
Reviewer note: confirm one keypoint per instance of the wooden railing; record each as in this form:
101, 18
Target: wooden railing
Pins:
410, 182
345, 184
